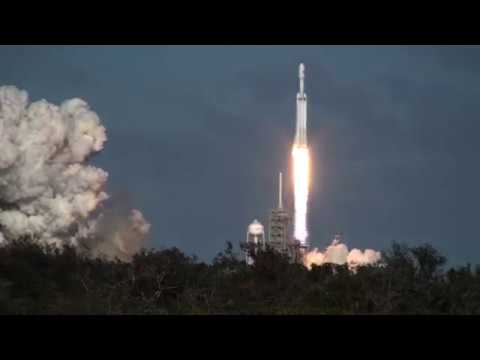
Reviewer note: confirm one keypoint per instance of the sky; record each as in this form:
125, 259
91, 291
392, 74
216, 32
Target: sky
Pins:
198, 134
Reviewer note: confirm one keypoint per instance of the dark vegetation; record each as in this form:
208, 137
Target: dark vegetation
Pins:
411, 280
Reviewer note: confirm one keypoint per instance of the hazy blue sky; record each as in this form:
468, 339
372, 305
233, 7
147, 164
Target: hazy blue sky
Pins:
197, 135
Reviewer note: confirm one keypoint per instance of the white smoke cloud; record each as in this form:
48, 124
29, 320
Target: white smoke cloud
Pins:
337, 253
47, 191
116, 235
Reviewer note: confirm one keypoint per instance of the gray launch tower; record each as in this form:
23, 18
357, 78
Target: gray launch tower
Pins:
279, 221
279, 238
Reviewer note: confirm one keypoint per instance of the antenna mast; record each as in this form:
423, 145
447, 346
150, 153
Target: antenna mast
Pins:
280, 192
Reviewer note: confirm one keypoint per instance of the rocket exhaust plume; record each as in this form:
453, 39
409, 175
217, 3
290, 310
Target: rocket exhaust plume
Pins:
301, 165
301, 176
48, 191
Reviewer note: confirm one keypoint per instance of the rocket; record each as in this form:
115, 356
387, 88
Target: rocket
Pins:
301, 132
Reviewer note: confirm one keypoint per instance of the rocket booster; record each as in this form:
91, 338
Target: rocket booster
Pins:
301, 131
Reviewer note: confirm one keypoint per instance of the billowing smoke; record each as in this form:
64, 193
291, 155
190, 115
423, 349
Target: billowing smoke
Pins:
337, 253
117, 233
47, 190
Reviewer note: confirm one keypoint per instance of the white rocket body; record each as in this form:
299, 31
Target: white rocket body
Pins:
301, 131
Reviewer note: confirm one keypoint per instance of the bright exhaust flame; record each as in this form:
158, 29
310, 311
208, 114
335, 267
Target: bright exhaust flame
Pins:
301, 181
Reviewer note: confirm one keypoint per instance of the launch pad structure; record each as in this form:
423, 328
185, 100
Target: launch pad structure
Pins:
279, 221
278, 234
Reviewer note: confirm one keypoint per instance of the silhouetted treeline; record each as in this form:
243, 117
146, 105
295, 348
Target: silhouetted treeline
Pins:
410, 280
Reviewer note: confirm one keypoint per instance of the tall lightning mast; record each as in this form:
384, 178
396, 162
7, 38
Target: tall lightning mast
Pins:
280, 191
